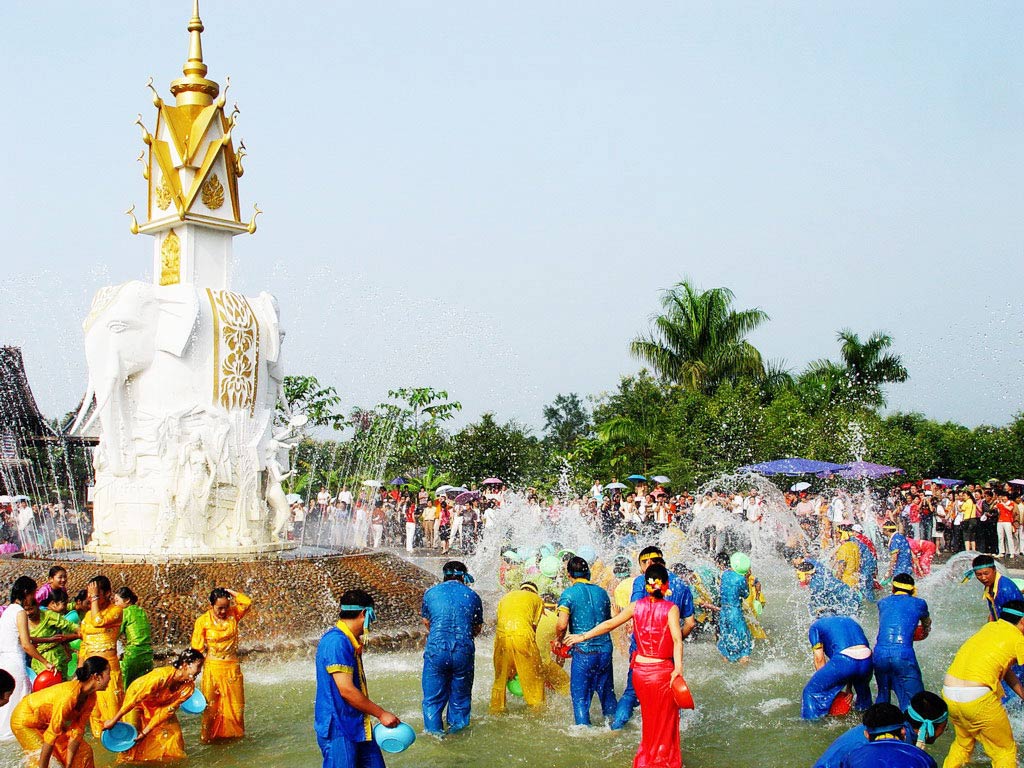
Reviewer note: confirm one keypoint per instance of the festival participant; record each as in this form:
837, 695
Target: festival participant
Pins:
923, 552
6, 687
453, 615
1006, 541
215, 635
885, 730
734, 639
999, 589
582, 607
683, 600
343, 708
868, 563
657, 662
51, 631
896, 667
100, 628
515, 646
622, 570
15, 643
51, 722
847, 556
969, 526
58, 579
829, 596
137, 658
555, 677
80, 605
841, 658
901, 558
972, 689
150, 704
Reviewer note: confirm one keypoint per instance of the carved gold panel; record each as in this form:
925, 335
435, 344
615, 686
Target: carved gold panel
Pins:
170, 260
236, 350
213, 193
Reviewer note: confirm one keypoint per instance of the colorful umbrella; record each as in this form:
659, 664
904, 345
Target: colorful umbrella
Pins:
1018, 481
865, 469
399, 481
373, 483
801, 486
661, 479
615, 486
492, 481
948, 482
637, 478
467, 496
791, 466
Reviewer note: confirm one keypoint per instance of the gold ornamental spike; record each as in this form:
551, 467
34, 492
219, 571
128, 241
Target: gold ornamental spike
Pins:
194, 89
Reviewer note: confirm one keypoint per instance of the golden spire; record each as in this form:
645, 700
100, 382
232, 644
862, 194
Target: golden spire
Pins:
194, 89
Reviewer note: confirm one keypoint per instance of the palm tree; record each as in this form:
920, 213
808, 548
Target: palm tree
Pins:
865, 368
699, 339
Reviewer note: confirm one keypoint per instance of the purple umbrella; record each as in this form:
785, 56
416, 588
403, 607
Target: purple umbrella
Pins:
468, 496
1018, 481
791, 466
492, 481
865, 469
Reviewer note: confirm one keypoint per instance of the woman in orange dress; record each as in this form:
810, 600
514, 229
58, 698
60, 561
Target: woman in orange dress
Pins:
51, 722
100, 628
216, 636
150, 704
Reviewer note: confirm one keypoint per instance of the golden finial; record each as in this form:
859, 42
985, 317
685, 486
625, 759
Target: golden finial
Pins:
145, 168
239, 170
194, 89
252, 221
146, 135
157, 101
134, 227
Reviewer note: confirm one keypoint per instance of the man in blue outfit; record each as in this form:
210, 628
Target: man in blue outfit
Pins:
999, 589
829, 595
582, 607
886, 748
901, 558
681, 596
453, 615
896, 667
342, 710
841, 657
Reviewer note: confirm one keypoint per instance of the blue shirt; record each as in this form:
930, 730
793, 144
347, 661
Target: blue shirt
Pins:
1005, 590
339, 651
904, 560
868, 565
888, 753
681, 594
849, 741
835, 634
453, 610
898, 617
587, 605
831, 594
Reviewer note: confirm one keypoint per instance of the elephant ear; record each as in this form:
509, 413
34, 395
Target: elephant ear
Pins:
271, 320
179, 310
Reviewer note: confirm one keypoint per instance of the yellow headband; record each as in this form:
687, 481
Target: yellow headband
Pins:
649, 556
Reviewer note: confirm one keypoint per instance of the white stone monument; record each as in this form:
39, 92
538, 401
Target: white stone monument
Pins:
184, 373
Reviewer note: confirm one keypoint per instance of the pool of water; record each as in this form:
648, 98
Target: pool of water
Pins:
745, 716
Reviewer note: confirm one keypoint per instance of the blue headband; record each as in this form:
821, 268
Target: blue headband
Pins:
879, 730
927, 729
1012, 612
371, 615
971, 571
460, 574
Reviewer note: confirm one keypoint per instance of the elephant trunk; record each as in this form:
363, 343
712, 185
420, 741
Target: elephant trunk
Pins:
83, 411
115, 429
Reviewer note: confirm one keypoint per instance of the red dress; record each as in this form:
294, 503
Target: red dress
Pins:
659, 734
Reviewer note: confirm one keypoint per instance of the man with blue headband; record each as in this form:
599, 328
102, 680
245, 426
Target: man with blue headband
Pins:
999, 589
886, 748
454, 615
343, 709
896, 667
973, 692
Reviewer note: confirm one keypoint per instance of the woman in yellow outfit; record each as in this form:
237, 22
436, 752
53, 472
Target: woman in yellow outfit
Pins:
515, 646
150, 704
972, 689
216, 636
51, 722
100, 628
555, 677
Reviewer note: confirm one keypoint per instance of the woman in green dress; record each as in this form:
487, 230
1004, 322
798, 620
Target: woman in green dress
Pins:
137, 658
51, 631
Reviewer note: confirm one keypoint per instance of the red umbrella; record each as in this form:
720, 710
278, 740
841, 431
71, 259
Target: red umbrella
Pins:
492, 481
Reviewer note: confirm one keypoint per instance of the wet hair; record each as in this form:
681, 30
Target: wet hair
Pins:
1012, 611
6, 682
57, 595
94, 665
549, 598
577, 568
881, 719
723, 559
102, 583
126, 594
81, 595
217, 594
354, 597
54, 570
657, 572
529, 586
903, 582
454, 569
186, 657
646, 552
983, 561
928, 705
23, 587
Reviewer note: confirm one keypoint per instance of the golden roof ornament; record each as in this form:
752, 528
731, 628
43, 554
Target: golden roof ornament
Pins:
194, 89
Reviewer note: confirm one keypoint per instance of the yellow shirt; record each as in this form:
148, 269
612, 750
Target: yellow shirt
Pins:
623, 591
99, 636
968, 510
546, 628
519, 611
219, 639
153, 691
849, 555
53, 708
988, 653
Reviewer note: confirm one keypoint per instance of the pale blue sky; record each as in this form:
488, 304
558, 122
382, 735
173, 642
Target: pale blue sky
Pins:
487, 197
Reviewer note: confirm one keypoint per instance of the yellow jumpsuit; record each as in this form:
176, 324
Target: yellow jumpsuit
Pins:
555, 678
984, 659
749, 614
99, 638
848, 554
620, 599
153, 703
222, 685
51, 716
515, 648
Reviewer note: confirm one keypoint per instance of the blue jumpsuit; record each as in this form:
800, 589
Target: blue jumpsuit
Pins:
683, 599
849, 741
904, 560
868, 570
1004, 591
834, 634
896, 668
453, 610
734, 639
591, 672
888, 753
829, 595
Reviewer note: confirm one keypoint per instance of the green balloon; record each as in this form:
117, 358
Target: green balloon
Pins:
514, 686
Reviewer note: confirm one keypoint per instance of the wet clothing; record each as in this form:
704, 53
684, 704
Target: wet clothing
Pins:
904, 559
50, 624
849, 741
659, 736
555, 676
868, 565
49, 716
894, 660
344, 734
515, 648
734, 639
1003, 590
99, 638
222, 683
137, 658
888, 753
591, 672
829, 595
833, 635
154, 700
12, 660
848, 554
454, 611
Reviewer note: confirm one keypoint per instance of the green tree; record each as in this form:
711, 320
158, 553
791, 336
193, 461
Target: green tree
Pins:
566, 420
418, 417
633, 421
865, 368
506, 450
307, 395
699, 340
